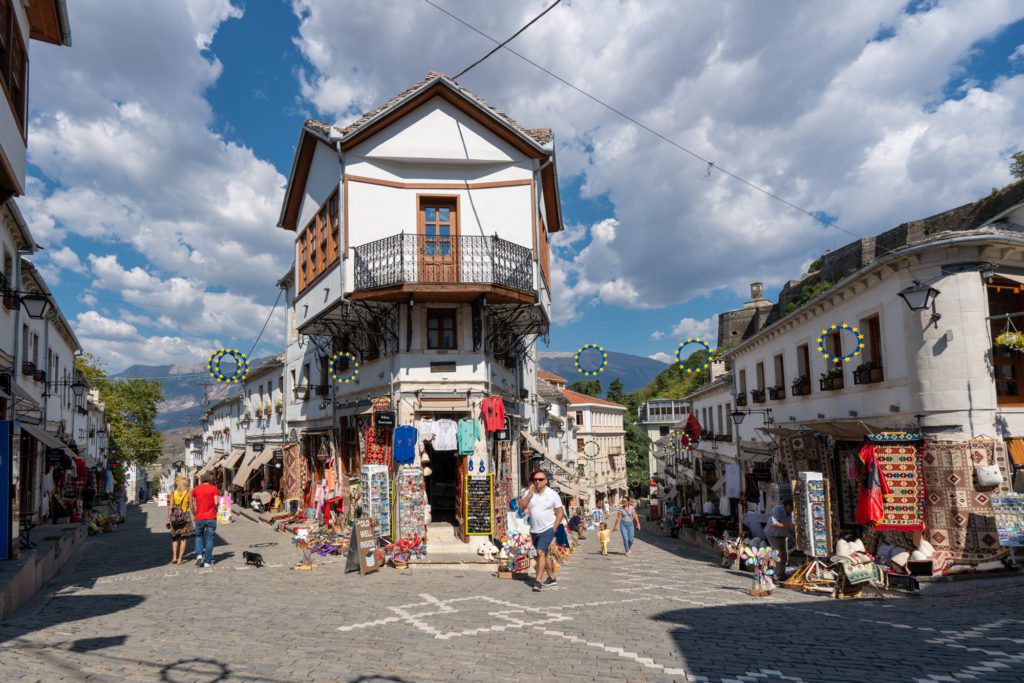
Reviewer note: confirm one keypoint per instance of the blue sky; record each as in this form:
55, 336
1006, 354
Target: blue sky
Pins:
160, 141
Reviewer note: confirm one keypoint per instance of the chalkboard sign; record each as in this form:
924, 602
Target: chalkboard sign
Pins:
384, 419
362, 551
479, 505
54, 456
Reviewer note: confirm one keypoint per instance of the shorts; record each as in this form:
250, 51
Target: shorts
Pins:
543, 540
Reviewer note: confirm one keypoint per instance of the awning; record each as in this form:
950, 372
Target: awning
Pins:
851, 430
1017, 450
1012, 277
778, 431
252, 462
209, 465
444, 405
536, 445
43, 436
231, 460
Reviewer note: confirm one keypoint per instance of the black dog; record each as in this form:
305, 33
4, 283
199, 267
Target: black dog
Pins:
254, 559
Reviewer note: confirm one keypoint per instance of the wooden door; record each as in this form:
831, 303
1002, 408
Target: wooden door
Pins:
460, 499
438, 240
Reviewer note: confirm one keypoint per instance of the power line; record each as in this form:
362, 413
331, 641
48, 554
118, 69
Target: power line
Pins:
509, 40
711, 165
273, 308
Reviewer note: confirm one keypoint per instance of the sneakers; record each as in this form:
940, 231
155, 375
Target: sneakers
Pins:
208, 564
551, 582
199, 561
537, 587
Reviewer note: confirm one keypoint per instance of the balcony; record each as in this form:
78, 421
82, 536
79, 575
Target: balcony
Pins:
777, 393
868, 373
741, 399
801, 386
832, 382
459, 267
757, 395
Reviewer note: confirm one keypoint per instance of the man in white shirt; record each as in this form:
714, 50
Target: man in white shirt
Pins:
546, 512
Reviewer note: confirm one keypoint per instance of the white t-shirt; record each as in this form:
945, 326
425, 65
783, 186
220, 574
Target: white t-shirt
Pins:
542, 510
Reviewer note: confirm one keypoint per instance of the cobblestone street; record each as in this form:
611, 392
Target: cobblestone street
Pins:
119, 612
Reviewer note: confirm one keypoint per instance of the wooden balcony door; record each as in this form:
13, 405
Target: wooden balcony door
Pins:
438, 240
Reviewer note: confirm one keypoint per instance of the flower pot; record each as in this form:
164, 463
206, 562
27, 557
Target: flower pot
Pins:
10, 302
28, 367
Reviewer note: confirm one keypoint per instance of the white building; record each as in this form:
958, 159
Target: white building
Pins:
934, 370
601, 441
422, 249
656, 418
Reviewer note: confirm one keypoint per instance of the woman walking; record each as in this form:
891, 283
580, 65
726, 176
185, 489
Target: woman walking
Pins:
179, 520
628, 523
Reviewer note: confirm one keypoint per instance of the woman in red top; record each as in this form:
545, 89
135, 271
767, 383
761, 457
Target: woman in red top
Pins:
204, 508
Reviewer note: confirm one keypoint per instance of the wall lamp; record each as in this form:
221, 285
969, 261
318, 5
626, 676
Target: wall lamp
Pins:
919, 297
738, 416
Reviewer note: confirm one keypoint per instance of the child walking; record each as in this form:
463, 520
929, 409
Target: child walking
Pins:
605, 535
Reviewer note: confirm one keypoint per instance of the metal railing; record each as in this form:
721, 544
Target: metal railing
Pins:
462, 259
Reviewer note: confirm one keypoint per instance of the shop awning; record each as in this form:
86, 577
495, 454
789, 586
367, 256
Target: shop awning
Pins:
778, 431
1012, 277
444, 405
1016, 450
536, 445
231, 460
210, 465
252, 462
851, 430
43, 436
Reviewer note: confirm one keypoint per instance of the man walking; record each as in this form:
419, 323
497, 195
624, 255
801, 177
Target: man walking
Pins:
779, 530
204, 507
546, 512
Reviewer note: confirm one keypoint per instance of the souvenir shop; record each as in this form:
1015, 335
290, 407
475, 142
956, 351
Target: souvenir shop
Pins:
882, 509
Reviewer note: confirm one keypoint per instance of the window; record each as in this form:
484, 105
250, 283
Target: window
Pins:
294, 383
441, 328
13, 64
579, 419
1007, 364
803, 361
743, 382
305, 374
318, 243
663, 431
579, 445
728, 419
872, 330
24, 337
759, 371
8, 269
780, 371
35, 349
834, 343
721, 423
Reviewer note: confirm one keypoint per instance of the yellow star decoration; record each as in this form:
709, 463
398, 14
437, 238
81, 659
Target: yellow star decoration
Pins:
694, 340
849, 356
590, 372
353, 367
241, 365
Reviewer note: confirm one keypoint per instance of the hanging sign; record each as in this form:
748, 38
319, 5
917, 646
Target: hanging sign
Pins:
479, 511
258, 447
54, 456
384, 418
362, 551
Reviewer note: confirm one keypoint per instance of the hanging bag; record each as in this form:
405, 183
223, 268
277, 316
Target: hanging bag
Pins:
179, 517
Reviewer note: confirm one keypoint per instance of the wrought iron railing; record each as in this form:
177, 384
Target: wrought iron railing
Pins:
421, 259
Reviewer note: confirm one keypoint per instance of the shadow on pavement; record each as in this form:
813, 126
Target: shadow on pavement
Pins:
62, 609
902, 639
100, 643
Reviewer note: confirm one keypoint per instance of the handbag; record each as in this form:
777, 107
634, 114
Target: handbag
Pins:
988, 475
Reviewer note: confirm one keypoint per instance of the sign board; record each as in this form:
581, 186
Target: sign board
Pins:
1009, 513
479, 512
362, 550
258, 447
54, 456
384, 418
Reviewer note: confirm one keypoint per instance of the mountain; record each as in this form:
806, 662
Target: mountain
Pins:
635, 372
184, 387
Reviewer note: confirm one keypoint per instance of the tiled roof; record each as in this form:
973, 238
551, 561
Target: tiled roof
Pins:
544, 374
575, 397
540, 135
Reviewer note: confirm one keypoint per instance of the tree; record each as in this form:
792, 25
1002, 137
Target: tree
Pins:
1017, 165
131, 407
590, 387
615, 391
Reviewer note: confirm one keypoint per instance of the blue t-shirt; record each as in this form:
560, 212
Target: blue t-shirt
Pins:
405, 444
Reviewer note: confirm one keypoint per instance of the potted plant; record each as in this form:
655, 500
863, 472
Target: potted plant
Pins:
39, 375
259, 410
28, 367
741, 399
802, 386
777, 393
868, 373
757, 395
279, 406
1011, 339
832, 380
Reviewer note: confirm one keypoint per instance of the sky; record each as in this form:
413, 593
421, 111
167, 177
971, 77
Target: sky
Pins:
159, 145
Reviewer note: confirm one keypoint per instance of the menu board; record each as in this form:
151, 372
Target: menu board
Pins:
479, 517
375, 497
810, 503
1009, 514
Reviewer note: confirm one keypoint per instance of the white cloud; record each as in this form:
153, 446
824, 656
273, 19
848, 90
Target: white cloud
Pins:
657, 335
67, 259
661, 356
690, 328
798, 98
92, 324
1018, 53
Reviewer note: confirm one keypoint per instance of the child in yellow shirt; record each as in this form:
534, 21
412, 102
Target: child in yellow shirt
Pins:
605, 535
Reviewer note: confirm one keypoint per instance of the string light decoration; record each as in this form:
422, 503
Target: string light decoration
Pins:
353, 368
241, 366
590, 372
858, 347
679, 355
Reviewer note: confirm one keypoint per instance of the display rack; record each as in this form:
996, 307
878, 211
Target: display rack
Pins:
375, 497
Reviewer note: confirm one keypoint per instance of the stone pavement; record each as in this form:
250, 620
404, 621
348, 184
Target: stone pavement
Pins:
120, 612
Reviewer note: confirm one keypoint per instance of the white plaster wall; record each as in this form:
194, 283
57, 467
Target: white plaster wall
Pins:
12, 144
324, 178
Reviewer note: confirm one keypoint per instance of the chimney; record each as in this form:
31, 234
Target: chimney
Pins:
717, 369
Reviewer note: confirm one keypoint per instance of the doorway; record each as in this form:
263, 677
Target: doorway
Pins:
438, 240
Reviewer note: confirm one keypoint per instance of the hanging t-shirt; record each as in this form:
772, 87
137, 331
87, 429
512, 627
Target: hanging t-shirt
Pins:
732, 480
405, 444
493, 410
426, 432
445, 435
469, 432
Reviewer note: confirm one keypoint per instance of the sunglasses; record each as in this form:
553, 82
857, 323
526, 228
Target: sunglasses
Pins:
536, 479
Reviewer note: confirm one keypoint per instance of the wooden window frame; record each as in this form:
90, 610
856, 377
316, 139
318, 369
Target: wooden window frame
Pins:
999, 303
872, 328
318, 248
443, 315
14, 82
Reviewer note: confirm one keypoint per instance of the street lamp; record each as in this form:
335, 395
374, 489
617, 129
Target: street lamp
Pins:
78, 387
35, 305
919, 297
